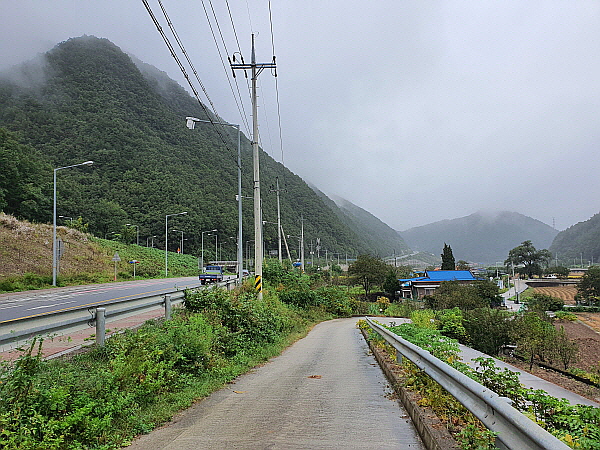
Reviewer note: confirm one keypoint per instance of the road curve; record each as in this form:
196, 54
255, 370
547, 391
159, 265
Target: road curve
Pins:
324, 392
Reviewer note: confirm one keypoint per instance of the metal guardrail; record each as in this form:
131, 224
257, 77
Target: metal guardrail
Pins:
514, 430
19, 331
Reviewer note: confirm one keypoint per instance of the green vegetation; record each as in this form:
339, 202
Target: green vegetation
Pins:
103, 398
530, 258
448, 262
368, 271
94, 102
27, 258
464, 296
588, 290
578, 242
578, 426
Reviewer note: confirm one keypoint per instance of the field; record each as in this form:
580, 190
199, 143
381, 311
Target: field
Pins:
565, 293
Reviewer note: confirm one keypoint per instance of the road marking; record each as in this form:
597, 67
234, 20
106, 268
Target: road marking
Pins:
49, 306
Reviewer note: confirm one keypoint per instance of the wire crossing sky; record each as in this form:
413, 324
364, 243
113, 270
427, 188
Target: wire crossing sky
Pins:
415, 111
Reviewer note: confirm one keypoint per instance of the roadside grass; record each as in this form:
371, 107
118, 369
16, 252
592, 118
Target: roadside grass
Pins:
103, 398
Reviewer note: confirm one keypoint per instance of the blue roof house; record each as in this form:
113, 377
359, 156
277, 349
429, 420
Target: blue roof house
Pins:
425, 285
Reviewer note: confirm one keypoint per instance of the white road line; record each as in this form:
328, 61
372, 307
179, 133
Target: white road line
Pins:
49, 306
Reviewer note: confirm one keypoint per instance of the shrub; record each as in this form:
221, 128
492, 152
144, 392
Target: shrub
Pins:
451, 324
403, 309
335, 300
489, 329
544, 302
299, 297
424, 318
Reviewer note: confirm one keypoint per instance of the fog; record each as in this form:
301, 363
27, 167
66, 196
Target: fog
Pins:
415, 111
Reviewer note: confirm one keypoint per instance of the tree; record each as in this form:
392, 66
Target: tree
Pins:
368, 271
391, 284
489, 292
558, 271
452, 294
588, 291
531, 259
462, 265
25, 180
448, 262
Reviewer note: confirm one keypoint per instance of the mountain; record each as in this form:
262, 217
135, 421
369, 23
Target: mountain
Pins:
88, 100
480, 237
382, 239
578, 242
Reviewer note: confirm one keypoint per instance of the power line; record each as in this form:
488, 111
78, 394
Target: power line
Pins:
276, 91
239, 104
182, 68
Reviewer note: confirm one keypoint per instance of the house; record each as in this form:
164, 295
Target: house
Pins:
427, 283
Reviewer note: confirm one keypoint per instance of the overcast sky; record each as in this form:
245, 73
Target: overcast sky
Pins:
417, 111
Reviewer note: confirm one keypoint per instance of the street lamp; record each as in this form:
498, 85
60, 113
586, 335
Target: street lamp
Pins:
181, 246
54, 249
191, 122
208, 231
150, 237
167, 239
137, 239
67, 217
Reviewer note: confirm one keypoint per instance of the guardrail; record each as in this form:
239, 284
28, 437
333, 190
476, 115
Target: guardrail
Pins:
515, 430
16, 332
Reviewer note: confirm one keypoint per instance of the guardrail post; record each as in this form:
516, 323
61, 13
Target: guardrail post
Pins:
228, 285
100, 326
167, 307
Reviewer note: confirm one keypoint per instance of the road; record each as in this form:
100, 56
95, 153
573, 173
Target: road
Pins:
45, 301
324, 392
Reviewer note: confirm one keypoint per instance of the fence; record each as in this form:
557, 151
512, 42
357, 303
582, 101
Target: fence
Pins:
515, 430
16, 332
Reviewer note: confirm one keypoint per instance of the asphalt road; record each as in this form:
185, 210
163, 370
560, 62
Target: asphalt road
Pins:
36, 303
324, 392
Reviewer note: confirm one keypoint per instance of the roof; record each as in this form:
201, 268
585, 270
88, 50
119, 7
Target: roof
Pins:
450, 275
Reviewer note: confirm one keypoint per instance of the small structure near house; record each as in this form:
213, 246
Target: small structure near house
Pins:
427, 283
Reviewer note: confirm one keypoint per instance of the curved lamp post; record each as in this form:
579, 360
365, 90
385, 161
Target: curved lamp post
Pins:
191, 122
137, 232
167, 239
54, 249
207, 231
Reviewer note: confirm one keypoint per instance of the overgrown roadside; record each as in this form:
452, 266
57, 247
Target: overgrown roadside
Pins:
103, 398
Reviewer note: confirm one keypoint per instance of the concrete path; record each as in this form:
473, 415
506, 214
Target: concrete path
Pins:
324, 392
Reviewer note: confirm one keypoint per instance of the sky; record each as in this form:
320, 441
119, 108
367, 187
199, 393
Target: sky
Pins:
416, 111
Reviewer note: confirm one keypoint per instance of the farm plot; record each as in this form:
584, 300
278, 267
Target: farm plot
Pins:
565, 293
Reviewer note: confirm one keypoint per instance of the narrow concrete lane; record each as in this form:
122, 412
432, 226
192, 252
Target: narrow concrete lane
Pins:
324, 392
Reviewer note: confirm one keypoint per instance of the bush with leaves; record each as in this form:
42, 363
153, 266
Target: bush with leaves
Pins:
544, 302
489, 329
452, 294
451, 324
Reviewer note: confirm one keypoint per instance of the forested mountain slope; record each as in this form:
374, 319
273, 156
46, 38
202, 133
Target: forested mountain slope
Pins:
480, 237
382, 239
578, 242
87, 100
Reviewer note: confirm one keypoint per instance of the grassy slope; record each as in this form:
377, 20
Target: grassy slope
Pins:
26, 248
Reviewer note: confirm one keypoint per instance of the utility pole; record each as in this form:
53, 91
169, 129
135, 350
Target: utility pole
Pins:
277, 190
302, 244
258, 237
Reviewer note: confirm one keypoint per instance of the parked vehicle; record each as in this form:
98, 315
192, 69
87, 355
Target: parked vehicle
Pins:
211, 274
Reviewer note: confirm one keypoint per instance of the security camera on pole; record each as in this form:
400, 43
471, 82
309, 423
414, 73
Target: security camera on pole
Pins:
258, 238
